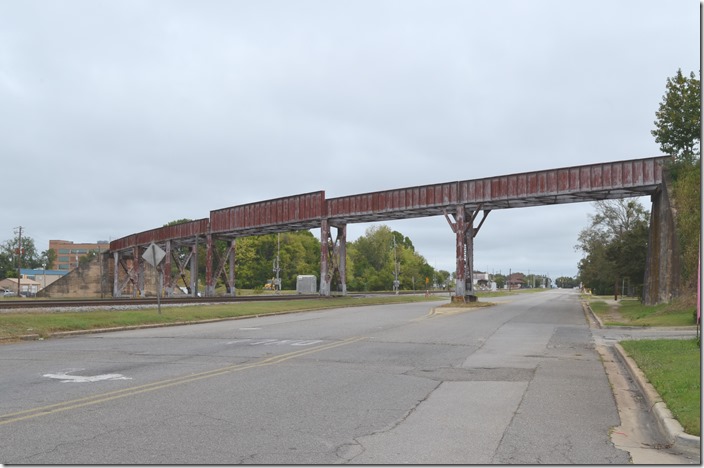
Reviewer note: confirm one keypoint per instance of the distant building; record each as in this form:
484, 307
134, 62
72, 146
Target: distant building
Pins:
28, 287
516, 281
68, 254
482, 281
43, 277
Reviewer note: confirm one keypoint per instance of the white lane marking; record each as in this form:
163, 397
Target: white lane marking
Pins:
65, 377
272, 341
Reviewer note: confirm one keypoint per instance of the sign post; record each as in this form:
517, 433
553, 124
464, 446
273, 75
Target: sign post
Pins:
153, 256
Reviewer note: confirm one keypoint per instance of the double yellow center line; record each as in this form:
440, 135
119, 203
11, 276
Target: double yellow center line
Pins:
114, 395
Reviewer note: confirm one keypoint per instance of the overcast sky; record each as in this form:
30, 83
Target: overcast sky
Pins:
120, 116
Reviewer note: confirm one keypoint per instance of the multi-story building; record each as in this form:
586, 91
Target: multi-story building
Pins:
68, 254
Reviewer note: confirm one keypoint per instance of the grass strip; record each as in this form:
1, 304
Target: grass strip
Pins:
636, 313
631, 312
673, 368
16, 325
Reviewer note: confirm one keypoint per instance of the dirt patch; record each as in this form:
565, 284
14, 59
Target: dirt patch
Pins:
613, 315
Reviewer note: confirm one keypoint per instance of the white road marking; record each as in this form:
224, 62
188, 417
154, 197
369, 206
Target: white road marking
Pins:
65, 377
273, 341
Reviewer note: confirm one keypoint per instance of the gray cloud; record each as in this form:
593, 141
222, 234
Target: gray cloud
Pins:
116, 117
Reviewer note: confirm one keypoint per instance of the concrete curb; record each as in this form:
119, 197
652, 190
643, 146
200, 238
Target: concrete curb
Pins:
669, 427
591, 313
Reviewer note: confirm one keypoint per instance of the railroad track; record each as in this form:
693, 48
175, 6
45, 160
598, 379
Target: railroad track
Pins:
9, 304
70, 303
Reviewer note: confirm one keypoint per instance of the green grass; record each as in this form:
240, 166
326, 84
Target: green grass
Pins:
15, 325
659, 315
630, 312
506, 292
599, 307
673, 368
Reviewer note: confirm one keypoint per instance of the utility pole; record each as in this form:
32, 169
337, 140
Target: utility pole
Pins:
19, 261
277, 266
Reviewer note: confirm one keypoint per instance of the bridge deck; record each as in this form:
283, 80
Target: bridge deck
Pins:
554, 186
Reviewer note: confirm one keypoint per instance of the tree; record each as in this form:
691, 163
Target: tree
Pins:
48, 258
686, 198
28, 255
678, 127
299, 254
678, 119
371, 257
7, 270
615, 245
566, 282
443, 277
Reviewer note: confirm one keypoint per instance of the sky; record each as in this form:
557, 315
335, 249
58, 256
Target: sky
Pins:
120, 116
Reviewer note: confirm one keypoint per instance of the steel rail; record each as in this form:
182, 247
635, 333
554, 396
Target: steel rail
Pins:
12, 304
71, 303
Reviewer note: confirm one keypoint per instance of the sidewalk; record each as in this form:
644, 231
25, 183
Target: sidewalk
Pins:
670, 429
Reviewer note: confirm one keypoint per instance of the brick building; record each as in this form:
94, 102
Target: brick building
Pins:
68, 254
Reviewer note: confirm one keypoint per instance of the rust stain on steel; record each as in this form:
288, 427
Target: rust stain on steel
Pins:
177, 231
305, 208
403, 200
563, 185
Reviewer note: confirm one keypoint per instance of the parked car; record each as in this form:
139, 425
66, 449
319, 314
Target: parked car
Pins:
8, 293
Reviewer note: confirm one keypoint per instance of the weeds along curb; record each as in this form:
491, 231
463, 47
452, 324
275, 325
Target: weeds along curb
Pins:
588, 310
669, 427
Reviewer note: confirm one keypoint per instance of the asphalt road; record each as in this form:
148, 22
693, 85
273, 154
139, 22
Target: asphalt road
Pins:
518, 382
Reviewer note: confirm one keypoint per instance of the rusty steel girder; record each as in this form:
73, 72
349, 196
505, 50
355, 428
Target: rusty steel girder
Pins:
462, 199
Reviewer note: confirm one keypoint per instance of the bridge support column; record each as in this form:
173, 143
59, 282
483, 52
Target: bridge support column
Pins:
341, 255
333, 257
138, 271
324, 256
116, 291
168, 280
231, 272
194, 269
209, 278
464, 230
662, 268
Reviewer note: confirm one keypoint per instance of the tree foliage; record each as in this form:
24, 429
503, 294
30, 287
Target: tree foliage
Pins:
299, 254
678, 130
566, 282
28, 256
678, 119
686, 198
371, 258
615, 245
